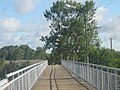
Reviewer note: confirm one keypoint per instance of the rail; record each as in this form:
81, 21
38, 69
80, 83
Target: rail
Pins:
25, 78
101, 77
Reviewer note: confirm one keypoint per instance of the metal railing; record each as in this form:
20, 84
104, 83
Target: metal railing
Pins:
25, 78
101, 77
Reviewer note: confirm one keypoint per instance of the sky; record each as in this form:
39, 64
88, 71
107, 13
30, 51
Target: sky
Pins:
23, 22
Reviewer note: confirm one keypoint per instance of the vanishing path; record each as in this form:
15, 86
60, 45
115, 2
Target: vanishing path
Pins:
56, 77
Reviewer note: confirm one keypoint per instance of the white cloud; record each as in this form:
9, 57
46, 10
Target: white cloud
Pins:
9, 25
17, 33
111, 30
99, 16
8, 28
25, 6
9, 39
34, 33
40, 29
112, 26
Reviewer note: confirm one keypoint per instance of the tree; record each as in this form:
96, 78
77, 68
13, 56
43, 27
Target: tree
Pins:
67, 36
19, 54
11, 49
40, 53
24, 52
28, 52
3, 54
7, 52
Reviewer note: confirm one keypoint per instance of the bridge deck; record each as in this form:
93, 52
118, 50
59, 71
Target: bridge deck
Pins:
57, 78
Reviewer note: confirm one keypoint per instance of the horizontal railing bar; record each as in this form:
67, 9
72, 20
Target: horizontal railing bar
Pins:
101, 77
21, 70
26, 80
117, 69
3, 82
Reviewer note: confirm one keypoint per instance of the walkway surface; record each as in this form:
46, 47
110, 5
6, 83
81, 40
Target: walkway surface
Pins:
55, 77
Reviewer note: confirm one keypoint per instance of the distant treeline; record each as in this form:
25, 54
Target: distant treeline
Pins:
101, 56
14, 55
12, 66
22, 52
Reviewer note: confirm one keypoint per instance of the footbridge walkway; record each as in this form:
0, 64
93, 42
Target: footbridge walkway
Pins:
67, 76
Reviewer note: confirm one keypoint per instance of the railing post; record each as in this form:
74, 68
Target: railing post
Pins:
24, 80
97, 78
108, 79
101, 77
88, 73
115, 82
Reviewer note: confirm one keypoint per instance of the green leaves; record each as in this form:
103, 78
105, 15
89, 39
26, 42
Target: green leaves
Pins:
22, 52
70, 28
40, 53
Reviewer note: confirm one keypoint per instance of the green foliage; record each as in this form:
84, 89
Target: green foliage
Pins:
104, 56
12, 66
2, 70
40, 53
69, 30
23, 52
14, 53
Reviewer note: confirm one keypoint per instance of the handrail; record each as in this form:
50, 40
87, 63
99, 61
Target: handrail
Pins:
22, 70
26, 80
3, 82
105, 67
90, 64
101, 77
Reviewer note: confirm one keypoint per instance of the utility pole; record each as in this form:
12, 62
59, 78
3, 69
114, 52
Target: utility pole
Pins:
111, 43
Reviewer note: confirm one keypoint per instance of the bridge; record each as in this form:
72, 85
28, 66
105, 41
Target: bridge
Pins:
70, 75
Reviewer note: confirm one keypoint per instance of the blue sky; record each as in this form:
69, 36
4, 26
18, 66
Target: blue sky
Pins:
22, 21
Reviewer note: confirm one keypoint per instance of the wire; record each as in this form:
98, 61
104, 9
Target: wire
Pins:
109, 3
105, 6
101, 3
